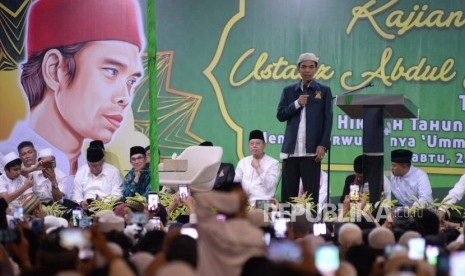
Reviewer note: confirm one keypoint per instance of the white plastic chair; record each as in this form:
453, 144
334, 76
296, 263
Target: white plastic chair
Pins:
203, 163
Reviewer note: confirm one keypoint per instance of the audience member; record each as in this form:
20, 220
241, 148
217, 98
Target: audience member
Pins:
182, 248
151, 242
428, 222
132, 205
379, 238
349, 235
32, 206
406, 236
362, 258
224, 246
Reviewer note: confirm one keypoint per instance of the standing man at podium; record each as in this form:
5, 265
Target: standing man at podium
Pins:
306, 107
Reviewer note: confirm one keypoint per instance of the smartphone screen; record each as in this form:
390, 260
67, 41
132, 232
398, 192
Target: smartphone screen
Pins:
76, 238
18, 212
152, 200
394, 248
457, 263
284, 250
432, 253
220, 217
138, 218
416, 248
77, 216
280, 228
72, 237
264, 204
183, 192
267, 238
85, 222
327, 259
319, 229
190, 231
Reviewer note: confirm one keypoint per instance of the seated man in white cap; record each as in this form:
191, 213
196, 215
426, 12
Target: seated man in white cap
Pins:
13, 186
49, 182
96, 180
408, 181
258, 172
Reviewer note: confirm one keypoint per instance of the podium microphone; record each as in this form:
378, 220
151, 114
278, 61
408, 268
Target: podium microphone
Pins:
370, 84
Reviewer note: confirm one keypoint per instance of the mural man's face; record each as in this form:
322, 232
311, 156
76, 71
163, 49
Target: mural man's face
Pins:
93, 104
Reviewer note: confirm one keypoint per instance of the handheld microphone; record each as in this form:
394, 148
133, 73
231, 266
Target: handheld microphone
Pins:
305, 88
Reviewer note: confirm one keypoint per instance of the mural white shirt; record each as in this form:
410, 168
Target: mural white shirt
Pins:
89, 186
2, 171
258, 186
414, 183
10, 186
42, 186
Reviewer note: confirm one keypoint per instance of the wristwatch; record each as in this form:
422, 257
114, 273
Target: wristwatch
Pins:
55, 186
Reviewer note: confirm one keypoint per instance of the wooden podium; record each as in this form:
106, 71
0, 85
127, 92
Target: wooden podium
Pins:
373, 109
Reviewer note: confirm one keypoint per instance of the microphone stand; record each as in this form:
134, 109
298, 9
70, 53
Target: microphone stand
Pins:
370, 84
328, 189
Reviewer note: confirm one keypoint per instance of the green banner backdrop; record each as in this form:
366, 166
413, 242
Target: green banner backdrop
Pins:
238, 55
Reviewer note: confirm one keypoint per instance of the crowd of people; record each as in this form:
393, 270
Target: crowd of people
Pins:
225, 232
96, 221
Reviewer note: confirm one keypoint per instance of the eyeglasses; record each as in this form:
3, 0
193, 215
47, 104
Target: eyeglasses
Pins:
135, 159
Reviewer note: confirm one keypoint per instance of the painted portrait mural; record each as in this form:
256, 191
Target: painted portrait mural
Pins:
81, 70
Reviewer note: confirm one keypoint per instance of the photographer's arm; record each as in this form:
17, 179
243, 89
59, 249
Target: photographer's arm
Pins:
5, 261
21, 249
